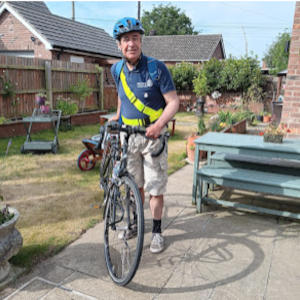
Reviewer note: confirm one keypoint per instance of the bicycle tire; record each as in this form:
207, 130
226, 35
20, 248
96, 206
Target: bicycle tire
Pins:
106, 167
123, 255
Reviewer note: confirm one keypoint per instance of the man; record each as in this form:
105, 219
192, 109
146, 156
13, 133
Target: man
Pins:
159, 102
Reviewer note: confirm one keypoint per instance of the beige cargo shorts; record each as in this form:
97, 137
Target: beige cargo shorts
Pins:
149, 172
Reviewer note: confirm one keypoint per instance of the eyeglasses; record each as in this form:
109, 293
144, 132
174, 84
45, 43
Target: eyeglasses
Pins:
133, 38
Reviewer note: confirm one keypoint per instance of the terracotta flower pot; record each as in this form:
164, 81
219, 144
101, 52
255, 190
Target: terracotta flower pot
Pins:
266, 119
191, 147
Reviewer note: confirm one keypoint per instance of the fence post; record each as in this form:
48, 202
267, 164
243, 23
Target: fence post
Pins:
101, 88
48, 79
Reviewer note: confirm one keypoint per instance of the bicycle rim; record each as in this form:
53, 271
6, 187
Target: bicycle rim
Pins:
123, 254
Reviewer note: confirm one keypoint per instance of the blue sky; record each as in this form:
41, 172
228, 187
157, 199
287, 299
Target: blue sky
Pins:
246, 26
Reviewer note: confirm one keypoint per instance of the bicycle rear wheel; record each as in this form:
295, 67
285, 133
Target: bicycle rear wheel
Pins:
125, 213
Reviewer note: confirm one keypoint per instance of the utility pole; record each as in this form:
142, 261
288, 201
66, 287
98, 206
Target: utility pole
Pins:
73, 10
139, 10
246, 42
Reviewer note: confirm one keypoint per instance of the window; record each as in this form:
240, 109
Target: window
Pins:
77, 59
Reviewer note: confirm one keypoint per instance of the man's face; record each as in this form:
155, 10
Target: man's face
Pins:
131, 46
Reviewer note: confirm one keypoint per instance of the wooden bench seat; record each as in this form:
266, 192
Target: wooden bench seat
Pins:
251, 180
272, 165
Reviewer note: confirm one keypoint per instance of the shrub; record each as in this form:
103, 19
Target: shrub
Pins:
67, 106
232, 75
200, 84
82, 90
183, 75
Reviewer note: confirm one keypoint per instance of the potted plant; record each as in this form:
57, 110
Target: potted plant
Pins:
10, 238
267, 117
191, 146
40, 99
68, 108
274, 133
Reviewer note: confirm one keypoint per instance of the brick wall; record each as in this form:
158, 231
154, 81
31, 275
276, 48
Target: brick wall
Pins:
15, 36
291, 105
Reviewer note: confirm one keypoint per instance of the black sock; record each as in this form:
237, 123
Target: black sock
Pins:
156, 228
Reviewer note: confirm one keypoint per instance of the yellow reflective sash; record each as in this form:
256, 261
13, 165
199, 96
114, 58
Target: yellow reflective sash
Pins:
139, 105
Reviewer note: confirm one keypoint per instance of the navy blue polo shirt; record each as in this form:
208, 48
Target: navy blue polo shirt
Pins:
141, 84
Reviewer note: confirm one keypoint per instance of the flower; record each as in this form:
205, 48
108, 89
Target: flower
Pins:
273, 129
223, 124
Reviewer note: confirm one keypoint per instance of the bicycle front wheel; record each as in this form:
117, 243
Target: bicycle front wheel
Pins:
123, 231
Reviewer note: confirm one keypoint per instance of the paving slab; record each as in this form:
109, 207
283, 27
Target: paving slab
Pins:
219, 254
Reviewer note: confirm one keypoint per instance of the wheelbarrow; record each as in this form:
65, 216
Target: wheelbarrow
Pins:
88, 157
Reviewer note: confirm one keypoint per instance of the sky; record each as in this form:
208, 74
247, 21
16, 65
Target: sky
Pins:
246, 26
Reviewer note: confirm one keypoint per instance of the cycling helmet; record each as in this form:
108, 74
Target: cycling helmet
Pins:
125, 25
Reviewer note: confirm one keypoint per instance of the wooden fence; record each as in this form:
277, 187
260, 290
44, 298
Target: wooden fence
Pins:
26, 77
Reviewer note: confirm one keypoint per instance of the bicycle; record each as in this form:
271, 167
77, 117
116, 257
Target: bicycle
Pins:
123, 207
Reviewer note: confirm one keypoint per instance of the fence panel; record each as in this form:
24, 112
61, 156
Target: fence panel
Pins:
25, 77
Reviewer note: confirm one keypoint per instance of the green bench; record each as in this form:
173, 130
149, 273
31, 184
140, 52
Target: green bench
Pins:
275, 176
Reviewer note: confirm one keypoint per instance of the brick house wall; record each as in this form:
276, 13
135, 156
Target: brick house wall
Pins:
15, 36
291, 104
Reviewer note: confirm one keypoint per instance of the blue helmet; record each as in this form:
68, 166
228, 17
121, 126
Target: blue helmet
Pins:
125, 25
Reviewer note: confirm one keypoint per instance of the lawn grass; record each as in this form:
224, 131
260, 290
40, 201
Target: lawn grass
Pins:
55, 199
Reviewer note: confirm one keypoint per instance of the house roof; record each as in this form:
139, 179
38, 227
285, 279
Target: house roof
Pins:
61, 32
182, 47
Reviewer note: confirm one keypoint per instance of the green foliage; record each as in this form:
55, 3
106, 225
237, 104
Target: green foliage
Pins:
66, 106
183, 75
215, 126
82, 90
167, 20
212, 70
277, 57
5, 215
225, 117
238, 75
200, 84
201, 126
8, 88
2, 120
232, 75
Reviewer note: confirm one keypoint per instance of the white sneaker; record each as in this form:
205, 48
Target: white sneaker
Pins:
157, 243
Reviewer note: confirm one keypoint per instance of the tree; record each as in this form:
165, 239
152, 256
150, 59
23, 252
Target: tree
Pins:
167, 20
277, 56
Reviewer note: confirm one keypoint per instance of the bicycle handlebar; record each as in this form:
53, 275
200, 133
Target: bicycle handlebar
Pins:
115, 126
